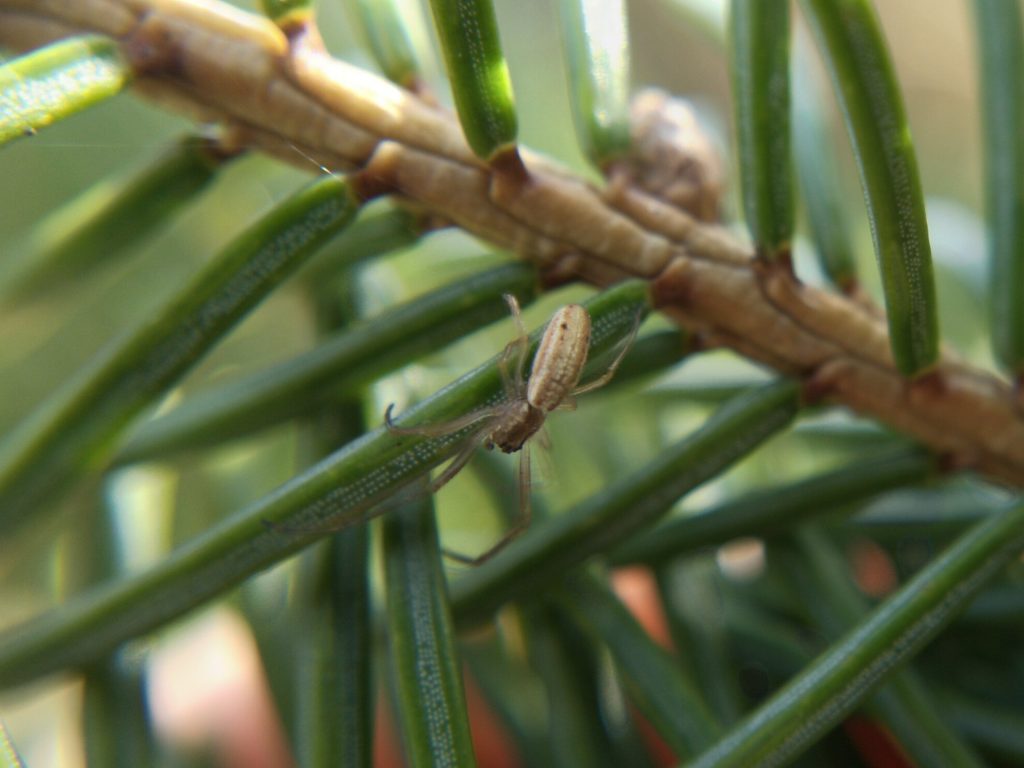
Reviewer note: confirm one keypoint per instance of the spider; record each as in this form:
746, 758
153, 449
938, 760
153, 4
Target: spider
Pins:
551, 385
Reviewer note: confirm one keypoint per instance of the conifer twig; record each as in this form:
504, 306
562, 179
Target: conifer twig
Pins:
219, 64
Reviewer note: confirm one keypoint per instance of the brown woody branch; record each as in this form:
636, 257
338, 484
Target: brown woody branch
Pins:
218, 64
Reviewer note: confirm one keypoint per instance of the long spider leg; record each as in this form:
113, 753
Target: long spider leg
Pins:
517, 315
439, 430
453, 468
605, 377
520, 524
461, 459
520, 344
544, 437
371, 510
511, 388
542, 460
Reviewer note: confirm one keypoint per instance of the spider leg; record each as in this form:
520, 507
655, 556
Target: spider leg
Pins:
461, 459
520, 524
605, 377
544, 438
520, 345
511, 387
404, 494
517, 315
438, 430
370, 510
542, 461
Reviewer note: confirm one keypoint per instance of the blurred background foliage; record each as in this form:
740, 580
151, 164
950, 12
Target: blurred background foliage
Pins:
677, 46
